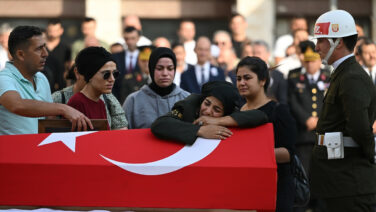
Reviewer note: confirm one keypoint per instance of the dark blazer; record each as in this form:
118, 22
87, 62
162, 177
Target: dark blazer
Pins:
120, 65
305, 100
349, 107
277, 90
189, 81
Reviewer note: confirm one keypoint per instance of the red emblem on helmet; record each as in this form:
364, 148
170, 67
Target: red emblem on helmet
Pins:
322, 28
335, 27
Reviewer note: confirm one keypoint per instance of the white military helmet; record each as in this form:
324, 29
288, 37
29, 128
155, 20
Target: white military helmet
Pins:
335, 24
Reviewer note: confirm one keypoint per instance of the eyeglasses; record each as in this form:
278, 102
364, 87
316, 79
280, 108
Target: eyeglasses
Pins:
106, 74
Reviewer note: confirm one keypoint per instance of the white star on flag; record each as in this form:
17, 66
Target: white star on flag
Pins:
69, 138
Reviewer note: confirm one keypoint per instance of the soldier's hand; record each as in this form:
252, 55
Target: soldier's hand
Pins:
311, 123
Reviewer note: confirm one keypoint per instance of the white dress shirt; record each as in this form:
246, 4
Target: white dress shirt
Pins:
131, 55
198, 72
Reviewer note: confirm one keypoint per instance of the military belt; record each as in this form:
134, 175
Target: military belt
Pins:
347, 141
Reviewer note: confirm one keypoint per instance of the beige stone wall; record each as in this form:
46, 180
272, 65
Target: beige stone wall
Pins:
260, 15
108, 16
42, 8
177, 8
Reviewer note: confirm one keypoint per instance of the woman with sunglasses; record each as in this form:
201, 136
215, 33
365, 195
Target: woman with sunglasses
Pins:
99, 72
157, 98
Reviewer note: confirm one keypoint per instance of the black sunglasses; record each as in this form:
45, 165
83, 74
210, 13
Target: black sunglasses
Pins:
107, 74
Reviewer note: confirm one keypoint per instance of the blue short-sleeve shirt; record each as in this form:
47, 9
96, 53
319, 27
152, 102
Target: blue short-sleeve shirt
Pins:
12, 80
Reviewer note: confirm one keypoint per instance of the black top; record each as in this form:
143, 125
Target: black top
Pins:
284, 129
60, 54
284, 136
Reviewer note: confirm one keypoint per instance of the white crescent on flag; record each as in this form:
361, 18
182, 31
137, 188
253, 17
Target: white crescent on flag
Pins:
184, 157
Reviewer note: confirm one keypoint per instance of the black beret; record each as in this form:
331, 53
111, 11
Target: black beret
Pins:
90, 60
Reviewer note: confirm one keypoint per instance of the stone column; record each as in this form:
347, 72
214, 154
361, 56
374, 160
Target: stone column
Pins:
373, 21
108, 16
260, 15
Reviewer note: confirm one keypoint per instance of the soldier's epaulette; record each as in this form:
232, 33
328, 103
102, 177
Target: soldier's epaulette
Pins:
176, 114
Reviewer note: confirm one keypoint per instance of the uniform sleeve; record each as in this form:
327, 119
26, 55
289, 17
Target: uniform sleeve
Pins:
355, 97
249, 118
285, 131
297, 109
117, 114
170, 127
177, 124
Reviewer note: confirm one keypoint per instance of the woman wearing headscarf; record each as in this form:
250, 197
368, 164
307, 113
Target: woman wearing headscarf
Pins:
157, 98
206, 115
99, 71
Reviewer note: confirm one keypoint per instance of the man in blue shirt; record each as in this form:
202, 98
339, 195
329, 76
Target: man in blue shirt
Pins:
25, 92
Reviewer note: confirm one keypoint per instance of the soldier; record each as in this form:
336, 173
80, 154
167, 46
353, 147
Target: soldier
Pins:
343, 159
134, 81
306, 88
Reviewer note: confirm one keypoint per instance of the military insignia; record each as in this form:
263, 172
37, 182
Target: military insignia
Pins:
300, 85
128, 76
301, 78
323, 77
335, 27
138, 78
321, 85
175, 113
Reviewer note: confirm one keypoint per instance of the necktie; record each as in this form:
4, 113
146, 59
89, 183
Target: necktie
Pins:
130, 64
202, 76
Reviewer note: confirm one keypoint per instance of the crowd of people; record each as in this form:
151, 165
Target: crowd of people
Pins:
201, 87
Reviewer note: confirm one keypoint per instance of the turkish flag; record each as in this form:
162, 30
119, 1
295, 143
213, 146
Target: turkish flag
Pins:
322, 28
132, 168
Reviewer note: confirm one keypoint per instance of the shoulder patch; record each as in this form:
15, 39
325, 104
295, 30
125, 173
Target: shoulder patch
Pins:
176, 114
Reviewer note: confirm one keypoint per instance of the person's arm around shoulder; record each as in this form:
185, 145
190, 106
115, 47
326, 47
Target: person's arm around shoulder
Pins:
243, 119
13, 102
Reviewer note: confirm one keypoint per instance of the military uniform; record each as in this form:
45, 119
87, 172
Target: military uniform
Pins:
349, 107
305, 100
130, 83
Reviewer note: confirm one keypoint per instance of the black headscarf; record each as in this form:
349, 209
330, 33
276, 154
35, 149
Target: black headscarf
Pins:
224, 92
90, 60
153, 60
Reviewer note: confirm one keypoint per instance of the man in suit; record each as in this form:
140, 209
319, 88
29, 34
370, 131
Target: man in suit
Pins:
367, 55
343, 176
203, 71
277, 89
126, 61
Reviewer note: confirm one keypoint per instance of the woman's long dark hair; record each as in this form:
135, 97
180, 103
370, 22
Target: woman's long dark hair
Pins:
257, 66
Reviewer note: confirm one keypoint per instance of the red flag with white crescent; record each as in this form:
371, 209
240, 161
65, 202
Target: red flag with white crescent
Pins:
132, 168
